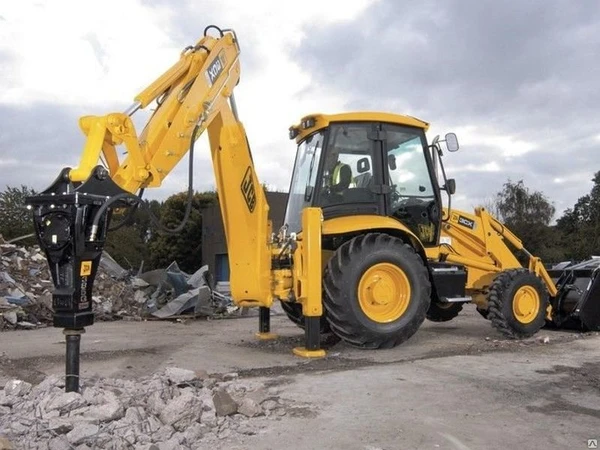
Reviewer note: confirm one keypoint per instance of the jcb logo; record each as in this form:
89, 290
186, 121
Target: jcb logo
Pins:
466, 222
248, 190
215, 68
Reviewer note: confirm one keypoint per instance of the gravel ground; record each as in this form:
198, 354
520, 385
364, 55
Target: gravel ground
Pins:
455, 385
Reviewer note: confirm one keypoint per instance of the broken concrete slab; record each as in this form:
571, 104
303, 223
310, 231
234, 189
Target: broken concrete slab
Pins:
81, 432
106, 412
225, 405
10, 317
17, 388
60, 426
179, 376
250, 408
66, 401
181, 411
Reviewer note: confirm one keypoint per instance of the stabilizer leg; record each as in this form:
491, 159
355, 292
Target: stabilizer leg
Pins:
312, 339
264, 324
312, 307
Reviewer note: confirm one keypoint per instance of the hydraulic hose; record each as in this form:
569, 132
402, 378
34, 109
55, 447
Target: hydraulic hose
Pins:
138, 201
105, 206
190, 196
129, 215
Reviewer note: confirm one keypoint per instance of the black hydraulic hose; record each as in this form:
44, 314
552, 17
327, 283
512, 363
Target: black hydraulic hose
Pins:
105, 206
138, 199
190, 196
129, 215
213, 27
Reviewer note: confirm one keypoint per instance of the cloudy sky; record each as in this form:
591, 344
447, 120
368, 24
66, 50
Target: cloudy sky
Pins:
519, 82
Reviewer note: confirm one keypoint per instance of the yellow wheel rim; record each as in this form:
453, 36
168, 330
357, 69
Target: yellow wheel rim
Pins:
526, 304
384, 292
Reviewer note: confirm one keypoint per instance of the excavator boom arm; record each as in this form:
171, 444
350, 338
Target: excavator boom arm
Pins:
193, 96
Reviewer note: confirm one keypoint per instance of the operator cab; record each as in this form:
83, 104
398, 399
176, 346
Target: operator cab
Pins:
366, 164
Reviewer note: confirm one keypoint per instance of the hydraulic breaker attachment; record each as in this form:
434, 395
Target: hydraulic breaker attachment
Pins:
577, 303
71, 220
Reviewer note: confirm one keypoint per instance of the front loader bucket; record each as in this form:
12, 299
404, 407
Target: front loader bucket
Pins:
577, 303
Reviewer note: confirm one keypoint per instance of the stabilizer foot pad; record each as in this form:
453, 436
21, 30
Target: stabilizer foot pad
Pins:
303, 353
266, 336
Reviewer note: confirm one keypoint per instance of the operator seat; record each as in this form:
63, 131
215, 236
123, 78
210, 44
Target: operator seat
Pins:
363, 180
342, 177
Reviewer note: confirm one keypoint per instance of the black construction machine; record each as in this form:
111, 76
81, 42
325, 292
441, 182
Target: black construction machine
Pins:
577, 304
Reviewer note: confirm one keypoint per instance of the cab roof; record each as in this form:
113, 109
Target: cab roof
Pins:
313, 122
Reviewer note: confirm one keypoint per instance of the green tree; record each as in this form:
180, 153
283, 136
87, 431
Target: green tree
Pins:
15, 219
516, 205
127, 247
128, 243
528, 215
580, 225
184, 247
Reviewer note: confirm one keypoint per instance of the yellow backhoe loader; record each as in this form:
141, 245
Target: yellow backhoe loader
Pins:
370, 246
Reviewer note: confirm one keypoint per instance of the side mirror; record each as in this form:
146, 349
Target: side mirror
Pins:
451, 142
450, 186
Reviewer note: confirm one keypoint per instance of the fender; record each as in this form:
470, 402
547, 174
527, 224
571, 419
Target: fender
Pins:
361, 223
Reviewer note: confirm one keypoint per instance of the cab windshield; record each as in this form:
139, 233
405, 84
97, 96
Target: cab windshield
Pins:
304, 179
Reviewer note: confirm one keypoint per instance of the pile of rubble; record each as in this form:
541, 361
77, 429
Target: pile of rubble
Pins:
173, 409
26, 291
25, 287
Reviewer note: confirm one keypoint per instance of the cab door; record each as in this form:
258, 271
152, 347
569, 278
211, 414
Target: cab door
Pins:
413, 194
351, 171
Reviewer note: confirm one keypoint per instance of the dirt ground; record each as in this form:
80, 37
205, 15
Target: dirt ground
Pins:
455, 385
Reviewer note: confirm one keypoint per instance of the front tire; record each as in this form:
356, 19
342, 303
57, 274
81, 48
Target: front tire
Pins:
377, 291
517, 303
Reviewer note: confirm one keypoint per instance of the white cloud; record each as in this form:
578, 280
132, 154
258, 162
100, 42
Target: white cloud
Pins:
508, 146
98, 56
10, 162
79, 53
492, 166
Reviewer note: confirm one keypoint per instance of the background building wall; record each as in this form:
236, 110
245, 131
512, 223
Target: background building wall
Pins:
214, 245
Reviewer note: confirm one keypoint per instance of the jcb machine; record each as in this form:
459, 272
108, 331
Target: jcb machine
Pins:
368, 250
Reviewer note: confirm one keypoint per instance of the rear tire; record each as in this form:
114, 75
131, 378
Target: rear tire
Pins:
377, 291
443, 312
483, 312
294, 313
517, 303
